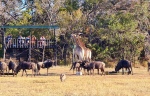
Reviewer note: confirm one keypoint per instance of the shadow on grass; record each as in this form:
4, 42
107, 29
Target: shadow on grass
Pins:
49, 74
55, 74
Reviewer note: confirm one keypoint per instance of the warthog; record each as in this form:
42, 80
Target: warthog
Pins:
62, 77
12, 66
96, 65
3, 67
148, 65
26, 65
124, 64
76, 65
47, 64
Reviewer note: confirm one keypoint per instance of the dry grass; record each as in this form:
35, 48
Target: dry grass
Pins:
109, 85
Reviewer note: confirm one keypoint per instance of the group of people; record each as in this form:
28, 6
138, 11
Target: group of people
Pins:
25, 41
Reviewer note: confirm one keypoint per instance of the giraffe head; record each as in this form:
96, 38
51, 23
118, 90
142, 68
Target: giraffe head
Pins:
73, 37
76, 40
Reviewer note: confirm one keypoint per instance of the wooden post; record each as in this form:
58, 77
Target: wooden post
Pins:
43, 53
55, 48
4, 44
73, 54
29, 58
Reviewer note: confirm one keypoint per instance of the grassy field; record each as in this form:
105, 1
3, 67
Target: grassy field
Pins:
86, 85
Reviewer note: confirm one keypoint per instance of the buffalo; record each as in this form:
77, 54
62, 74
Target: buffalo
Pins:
12, 66
26, 65
3, 67
124, 64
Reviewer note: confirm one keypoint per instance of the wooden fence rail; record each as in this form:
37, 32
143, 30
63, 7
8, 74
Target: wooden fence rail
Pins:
23, 43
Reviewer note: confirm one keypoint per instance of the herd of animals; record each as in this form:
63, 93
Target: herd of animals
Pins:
24, 65
80, 51
99, 65
85, 65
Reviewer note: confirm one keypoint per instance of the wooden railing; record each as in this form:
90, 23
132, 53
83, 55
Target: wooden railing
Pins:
23, 43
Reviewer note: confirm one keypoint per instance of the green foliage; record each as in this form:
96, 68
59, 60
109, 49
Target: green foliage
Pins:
89, 4
122, 22
114, 33
120, 30
71, 5
27, 18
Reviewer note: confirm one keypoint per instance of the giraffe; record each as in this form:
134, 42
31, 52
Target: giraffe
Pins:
87, 51
78, 50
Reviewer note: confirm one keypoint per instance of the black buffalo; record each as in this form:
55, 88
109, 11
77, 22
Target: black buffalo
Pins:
124, 64
12, 66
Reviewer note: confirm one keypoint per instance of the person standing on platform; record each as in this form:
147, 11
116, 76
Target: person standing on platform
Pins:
42, 41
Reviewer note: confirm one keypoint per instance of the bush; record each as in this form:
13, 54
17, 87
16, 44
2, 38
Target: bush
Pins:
62, 62
1, 53
110, 64
144, 63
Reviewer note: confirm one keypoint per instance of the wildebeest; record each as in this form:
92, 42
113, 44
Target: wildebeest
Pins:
3, 67
47, 64
26, 65
85, 65
12, 66
39, 66
99, 65
148, 65
62, 77
124, 64
75, 65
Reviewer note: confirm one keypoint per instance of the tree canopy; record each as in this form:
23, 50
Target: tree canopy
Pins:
112, 29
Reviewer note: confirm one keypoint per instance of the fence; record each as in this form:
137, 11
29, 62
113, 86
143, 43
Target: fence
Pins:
23, 43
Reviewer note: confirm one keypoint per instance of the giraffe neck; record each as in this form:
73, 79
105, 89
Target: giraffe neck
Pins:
75, 40
80, 42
